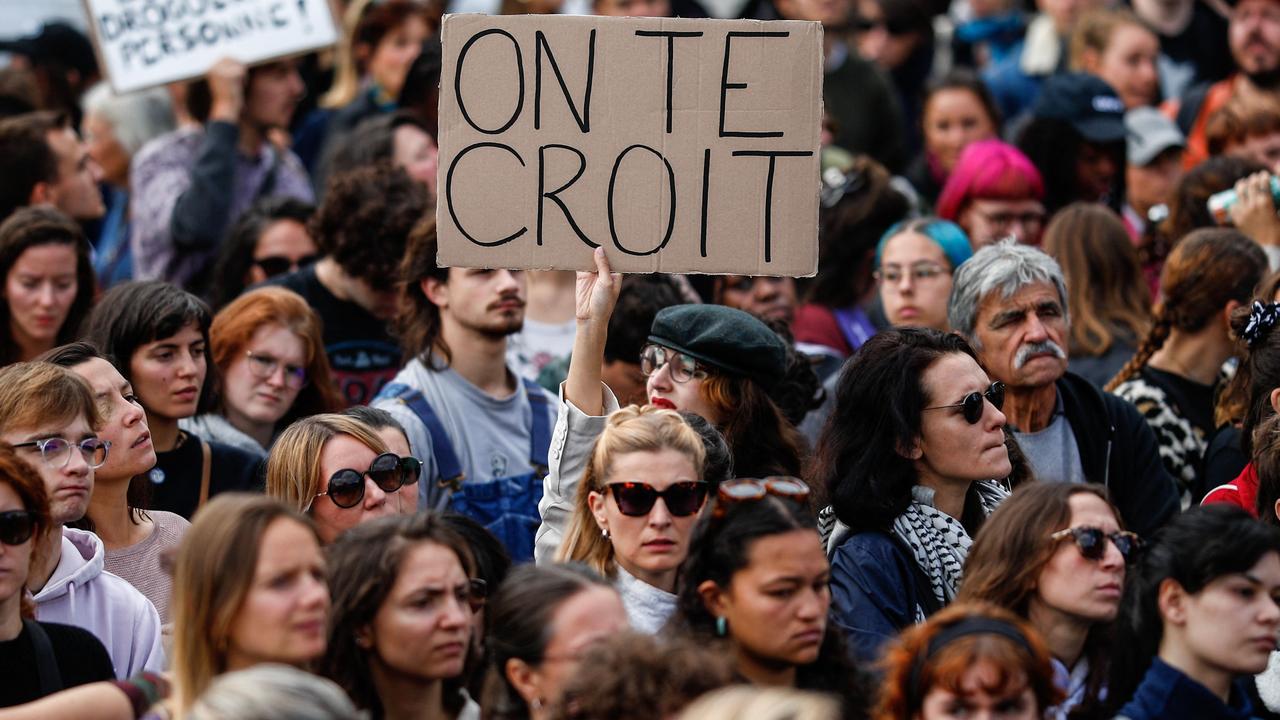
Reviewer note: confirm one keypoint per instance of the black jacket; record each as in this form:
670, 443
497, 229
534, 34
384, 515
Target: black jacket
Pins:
1119, 450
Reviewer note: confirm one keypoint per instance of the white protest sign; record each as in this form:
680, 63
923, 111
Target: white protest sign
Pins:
143, 43
678, 145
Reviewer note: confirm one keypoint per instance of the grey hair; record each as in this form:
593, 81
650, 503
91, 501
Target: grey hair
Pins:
273, 692
134, 117
1006, 266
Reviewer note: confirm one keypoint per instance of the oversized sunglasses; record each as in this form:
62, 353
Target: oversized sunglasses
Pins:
636, 499
1092, 541
16, 526
56, 452
346, 486
274, 265
752, 489
972, 403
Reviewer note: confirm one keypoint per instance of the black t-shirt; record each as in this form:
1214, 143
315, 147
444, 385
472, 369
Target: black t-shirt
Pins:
363, 354
1202, 45
175, 480
1193, 400
80, 656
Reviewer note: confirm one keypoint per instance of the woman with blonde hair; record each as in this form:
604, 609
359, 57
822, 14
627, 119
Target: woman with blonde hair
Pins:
337, 470
1107, 298
1117, 46
268, 346
759, 703
635, 507
249, 588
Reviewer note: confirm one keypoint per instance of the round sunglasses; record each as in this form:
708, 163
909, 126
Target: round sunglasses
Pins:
636, 499
741, 490
16, 526
971, 405
346, 486
1092, 541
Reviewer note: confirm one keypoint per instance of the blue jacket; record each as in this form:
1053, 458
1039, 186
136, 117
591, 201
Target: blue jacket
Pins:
1167, 694
875, 592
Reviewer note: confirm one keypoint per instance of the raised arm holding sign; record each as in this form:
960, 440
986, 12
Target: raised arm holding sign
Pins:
679, 145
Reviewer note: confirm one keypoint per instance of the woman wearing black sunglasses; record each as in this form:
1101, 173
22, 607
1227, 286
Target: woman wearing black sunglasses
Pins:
69, 655
756, 581
909, 459
404, 599
1055, 554
337, 470
635, 507
1200, 611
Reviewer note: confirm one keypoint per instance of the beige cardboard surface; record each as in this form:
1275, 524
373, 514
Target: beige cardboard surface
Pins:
143, 43
678, 145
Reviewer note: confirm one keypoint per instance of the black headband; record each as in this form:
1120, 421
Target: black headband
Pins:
974, 625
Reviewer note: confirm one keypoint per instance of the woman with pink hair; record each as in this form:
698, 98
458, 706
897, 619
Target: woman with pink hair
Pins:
994, 192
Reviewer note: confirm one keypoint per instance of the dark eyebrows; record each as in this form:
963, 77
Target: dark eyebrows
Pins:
1007, 316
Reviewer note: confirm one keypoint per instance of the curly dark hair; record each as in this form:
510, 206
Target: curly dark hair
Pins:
879, 401
799, 390
365, 220
719, 547
30, 227
235, 259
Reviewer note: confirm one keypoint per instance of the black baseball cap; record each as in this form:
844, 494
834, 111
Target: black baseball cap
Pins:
57, 42
1086, 102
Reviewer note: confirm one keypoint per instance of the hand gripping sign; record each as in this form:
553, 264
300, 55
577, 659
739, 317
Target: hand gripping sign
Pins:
142, 43
678, 145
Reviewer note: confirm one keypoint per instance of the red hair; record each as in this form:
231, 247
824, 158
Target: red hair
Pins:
233, 328
1015, 668
989, 169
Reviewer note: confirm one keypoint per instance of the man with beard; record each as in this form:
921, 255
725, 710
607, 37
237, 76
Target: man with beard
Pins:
1010, 302
481, 432
1253, 34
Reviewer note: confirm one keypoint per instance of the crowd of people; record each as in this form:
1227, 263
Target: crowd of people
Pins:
1013, 452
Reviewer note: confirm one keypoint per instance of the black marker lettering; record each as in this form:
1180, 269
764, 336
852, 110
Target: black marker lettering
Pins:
726, 86
773, 156
671, 186
671, 36
553, 196
457, 81
448, 194
583, 120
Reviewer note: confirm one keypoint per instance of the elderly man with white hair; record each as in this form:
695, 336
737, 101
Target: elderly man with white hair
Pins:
1010, 302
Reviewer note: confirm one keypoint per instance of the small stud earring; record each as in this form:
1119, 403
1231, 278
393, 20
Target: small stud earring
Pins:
604, 532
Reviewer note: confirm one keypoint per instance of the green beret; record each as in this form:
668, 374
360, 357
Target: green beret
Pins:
723, 337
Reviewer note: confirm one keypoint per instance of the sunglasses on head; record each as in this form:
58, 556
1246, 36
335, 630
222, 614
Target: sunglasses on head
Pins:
636, 499
346, 487
753, 489
1092, 541
16, 526
273, 265
972, 403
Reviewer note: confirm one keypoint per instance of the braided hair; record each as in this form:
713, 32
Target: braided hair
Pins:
1208, 269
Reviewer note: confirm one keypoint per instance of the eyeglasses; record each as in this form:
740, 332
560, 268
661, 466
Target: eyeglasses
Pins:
920, 272
56, 452
636, 499
752, 489
1091, 541
264, 366
346, 487
972, 403
683, 367
274, 265
16, 526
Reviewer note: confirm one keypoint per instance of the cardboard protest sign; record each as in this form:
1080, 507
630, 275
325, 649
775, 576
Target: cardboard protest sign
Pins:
678, 145
142, 43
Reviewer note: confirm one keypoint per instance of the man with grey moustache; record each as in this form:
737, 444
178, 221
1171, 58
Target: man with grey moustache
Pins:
1010, 302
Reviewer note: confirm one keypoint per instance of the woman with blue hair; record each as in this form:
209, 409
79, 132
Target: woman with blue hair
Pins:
914, 262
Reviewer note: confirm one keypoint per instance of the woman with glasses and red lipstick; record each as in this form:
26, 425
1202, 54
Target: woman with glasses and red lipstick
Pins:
1055, 554
268, 346
1201, 609
339, 471
911, 458
404, 597
635, 506
36, 659
714, 361
756, 580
